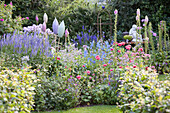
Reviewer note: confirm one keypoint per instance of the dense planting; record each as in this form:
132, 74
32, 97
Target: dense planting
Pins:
43, 69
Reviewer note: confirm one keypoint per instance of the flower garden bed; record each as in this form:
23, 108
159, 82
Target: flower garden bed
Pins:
44, 71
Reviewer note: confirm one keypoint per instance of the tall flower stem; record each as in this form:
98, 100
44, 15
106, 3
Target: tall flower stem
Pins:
146, 38
55, 44
115, 34
151, 38
160, 37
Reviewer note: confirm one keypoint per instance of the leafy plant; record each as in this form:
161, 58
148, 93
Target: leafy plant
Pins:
7, 23
17, 90
141, 91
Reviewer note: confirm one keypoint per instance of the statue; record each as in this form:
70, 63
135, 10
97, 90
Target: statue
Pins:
134, 34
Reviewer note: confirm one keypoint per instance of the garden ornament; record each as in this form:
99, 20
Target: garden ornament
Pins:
55, 26
45, 18
135, 35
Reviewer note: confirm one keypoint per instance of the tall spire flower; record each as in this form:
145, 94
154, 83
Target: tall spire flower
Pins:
138, 12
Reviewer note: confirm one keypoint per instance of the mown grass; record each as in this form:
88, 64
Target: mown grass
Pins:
90, 109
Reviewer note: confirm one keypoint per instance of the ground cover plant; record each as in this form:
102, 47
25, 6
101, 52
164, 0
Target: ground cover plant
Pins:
87, 70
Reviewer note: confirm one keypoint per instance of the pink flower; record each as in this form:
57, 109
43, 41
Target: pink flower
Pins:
2, 20
27, 18
111, 49
119, 44
111, 69
66, 33
147, 55
88, 72
75, 84
44, 27
143, 20
118, 51
120, 67
4, 5
58, 58
138, 12
152, 66
114, 43
140, 49
65, 66
36, 18
90, 78
134, 66
104, 65
137, 56
10, 3
154, 34
128, 47
130, 61
93, 74
137, 18
97, 57
22, 18
123, 43
83, 66
66, 89
143, 24
79, 77
116, 12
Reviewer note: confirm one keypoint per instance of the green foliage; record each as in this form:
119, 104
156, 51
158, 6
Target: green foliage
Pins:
156, 11
8, 24
17, 90
161, 61
142, 92
51, 93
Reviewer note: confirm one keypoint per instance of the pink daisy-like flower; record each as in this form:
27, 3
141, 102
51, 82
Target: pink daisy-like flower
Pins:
79, 77
88, 72
104, 65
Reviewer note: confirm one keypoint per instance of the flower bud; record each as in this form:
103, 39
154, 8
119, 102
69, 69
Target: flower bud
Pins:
36, 18
146, 19
44, 27
66, 33
45, 18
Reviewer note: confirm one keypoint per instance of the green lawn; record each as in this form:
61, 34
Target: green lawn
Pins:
91, 109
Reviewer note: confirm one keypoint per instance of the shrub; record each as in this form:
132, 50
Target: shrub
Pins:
7, 23
17, 90
55, 93
141, 91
